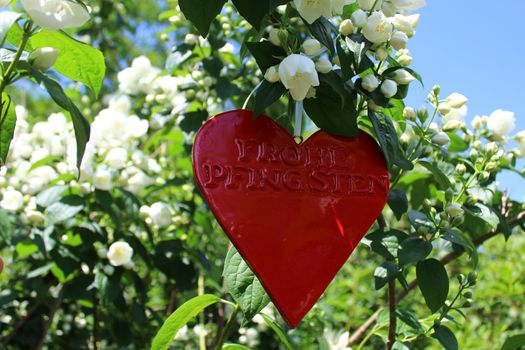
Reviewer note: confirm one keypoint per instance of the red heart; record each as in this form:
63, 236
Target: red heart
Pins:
294, 212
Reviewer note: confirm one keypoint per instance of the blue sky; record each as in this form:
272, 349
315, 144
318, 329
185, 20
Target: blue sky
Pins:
477, 48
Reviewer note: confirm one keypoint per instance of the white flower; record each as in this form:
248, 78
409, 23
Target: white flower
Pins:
389, 88
407, 5
120, 253
399, 40
457, 100
12, 200
441, 139
200, 331
456, 114
35, 217
138, 182
370, 82
117, 158
43, 58
454, 210
298, 74
337, 341
160, 214
56, 14
273, 36
403, 77
102, 179
323, 65
377, 29
346, 27
182, 334
501, 122
311, 46
389, 9
138, 77
404, 23
311, 10
359, 18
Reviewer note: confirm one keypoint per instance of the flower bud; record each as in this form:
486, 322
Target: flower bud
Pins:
453, 125
43, 58
457, 100
492, 147
272, 74
409, 113
381, 54
422, 114
491, 166
471, 278
102, 180
359, 18
336, 61
473, 154
444, 108
323, 65
404, 60
109, 270
370, 82
389, 88
366, 4
403, 77
389, 9
440, 139
461, 168
399, 40
346, 27
477, 123
467, 294
311, 46
484, 176
455, 210
273, 36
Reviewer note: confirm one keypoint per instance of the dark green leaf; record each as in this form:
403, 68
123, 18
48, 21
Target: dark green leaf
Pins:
7, 126
413, 250
179, 318
322, 30
64, 210
419, 219
278, 332
243, 285
330, 113
445, 337
484, 213
398, 202
253, 11
201, 12
346, 57
76, 60
410, 319
432, 280
387, 136
441, 179
387, 243
80, 123
514, 342
234, 347
266, 54
384, 273
267, 94
192, 121
457, 237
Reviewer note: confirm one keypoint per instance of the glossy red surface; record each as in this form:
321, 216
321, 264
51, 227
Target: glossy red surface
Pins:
294, 212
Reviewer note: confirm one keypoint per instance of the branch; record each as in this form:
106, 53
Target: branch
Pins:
51, 316
20, 324
445, 260
392, 320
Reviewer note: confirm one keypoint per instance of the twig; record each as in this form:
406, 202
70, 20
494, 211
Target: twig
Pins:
445, 260
392, 318
95, 323
49, 321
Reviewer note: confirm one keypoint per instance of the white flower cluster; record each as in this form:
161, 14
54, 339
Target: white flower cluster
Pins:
44, 155
387, 26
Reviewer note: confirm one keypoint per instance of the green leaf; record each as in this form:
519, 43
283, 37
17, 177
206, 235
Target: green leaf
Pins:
278, 332
410, 319
243, 285
432, 280
413, 250
322, 30
253, 11
61, 211
192, 121
387, 136
445, 336
419, 219
50, 195
179, 318
457, 144
514, 342
267, 94
484, 213
58, 95
387, 243
398, 202
385, 273
266, 54
7, 126
6, 228
7, 19
346, 57
457, 237
201, 12
76, 60
329, 112
440, 178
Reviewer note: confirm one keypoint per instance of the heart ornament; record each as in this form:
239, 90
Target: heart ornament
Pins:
295, 212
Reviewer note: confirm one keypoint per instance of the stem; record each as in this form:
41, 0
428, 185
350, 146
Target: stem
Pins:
226, 330
95, 323
9, 71
202, 335
392, 321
